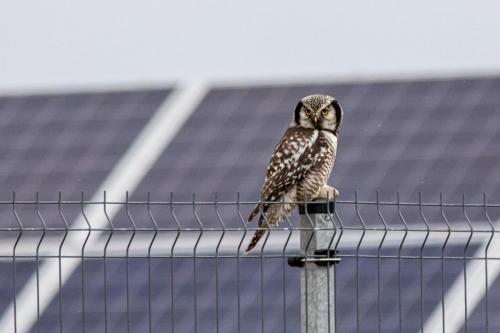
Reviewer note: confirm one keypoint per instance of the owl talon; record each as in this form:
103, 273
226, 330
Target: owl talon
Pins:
328, 192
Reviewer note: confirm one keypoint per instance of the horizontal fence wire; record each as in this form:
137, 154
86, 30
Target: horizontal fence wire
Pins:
179, 266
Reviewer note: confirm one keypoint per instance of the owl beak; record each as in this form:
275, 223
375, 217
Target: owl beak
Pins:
315, 119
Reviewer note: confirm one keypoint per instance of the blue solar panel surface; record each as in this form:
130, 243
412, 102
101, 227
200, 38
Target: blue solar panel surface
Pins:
407, 137
66, 143
427, 136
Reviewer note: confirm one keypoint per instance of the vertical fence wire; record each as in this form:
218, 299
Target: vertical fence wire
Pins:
445, 219
83, 259
155, 224
328, 275
66, 226
238, 258
44, 227
379, 284
172, 297
486, 249
197, 218
341, 232
112, 227
283, 268
261, 261
306, 266
217, 287
358, 246
400, 248
465, 261
127, 256
427, 232
19, 235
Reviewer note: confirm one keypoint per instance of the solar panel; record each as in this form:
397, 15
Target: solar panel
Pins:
67, 142
407, 137
424, 136
64, 143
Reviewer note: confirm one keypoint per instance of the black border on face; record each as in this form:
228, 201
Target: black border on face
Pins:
338, 113
297, 112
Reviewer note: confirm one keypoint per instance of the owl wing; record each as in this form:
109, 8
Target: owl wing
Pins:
290, 162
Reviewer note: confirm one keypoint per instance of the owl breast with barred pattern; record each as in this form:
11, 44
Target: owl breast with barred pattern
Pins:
323, 156
301, 163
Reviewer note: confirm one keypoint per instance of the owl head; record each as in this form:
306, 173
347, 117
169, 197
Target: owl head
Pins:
321, 112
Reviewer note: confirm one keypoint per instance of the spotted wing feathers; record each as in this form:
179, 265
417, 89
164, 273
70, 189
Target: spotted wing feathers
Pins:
290, 162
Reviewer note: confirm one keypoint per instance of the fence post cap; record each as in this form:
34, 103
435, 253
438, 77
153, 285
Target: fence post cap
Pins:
321, 206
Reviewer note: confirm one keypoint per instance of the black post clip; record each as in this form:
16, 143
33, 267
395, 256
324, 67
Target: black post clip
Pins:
323, 258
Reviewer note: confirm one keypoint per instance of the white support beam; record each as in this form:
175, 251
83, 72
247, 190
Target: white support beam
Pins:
164, 242
125, 176
457, 294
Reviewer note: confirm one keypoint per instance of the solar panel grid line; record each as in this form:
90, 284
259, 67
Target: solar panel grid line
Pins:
127, 173
470, 102
387, 107
428, 103
69, 150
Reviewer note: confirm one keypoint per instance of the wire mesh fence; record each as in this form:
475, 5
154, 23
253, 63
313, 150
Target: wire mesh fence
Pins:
179, 266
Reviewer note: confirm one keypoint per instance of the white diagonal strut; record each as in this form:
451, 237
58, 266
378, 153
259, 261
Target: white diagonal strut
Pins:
125, 176
457, 297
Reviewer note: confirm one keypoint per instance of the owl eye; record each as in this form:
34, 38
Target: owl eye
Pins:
308, 113
324, 112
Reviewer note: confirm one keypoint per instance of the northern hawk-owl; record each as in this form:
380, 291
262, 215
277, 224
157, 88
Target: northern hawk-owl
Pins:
301, 163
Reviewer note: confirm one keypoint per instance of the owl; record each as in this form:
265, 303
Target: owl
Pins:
301, 162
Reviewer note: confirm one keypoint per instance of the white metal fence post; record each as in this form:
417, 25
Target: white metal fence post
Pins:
317, 278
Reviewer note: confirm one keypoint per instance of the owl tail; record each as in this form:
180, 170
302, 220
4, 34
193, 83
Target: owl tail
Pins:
254, 212
258, 234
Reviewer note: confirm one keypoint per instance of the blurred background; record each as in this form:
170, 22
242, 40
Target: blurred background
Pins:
191, 96
418, 85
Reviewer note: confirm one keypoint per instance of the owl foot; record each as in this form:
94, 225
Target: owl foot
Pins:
328, 192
